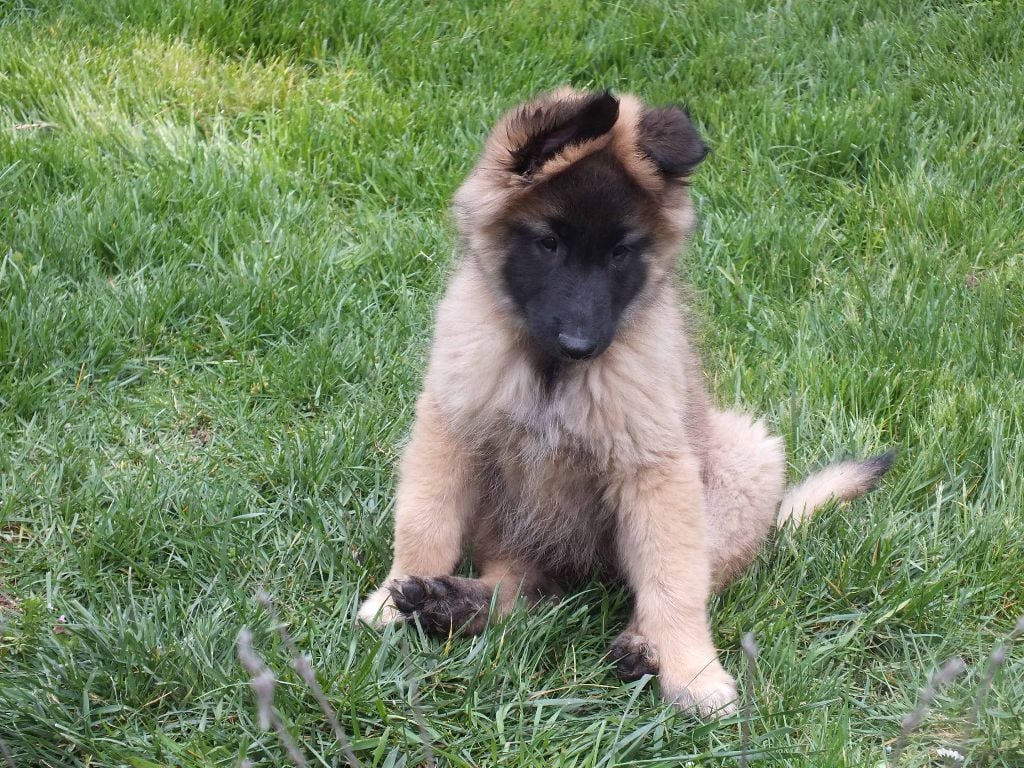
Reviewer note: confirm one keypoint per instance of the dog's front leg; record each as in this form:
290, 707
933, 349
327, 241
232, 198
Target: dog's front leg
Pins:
434, 498
661, 537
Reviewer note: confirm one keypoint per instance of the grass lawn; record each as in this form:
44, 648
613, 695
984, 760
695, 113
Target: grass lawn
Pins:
223, 226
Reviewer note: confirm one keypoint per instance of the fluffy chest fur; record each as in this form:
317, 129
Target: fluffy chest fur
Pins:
622, 410
548, 443
541, 504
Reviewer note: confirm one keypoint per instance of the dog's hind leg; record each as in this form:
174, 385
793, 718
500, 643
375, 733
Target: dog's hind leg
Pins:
445, 605
744, 480
435, 496
744, 483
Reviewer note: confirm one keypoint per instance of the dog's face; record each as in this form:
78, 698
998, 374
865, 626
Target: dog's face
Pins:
575, 260
575, 209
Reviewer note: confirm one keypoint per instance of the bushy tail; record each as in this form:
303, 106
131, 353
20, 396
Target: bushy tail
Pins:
843, 482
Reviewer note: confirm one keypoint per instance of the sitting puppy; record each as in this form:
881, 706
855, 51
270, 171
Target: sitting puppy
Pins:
564, 428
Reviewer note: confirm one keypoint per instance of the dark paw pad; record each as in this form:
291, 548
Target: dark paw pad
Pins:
633, 656
442, 604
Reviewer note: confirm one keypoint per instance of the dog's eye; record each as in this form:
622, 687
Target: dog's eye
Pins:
621, 254
549, 244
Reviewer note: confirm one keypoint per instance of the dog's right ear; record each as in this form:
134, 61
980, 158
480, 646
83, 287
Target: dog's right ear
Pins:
669, 138
545, 130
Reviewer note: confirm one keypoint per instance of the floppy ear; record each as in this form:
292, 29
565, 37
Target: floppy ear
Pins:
669, 138
550, 128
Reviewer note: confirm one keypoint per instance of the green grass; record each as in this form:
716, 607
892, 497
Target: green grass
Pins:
217, 269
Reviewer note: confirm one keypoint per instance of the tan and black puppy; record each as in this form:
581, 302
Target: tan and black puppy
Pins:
564, 428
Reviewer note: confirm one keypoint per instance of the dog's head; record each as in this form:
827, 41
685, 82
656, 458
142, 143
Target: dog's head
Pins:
576, 210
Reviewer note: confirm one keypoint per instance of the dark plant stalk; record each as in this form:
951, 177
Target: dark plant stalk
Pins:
302, 665
995, 662
262, 682
6, 754
940, 677
749, 647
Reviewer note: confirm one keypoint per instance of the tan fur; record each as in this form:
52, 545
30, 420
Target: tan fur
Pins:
840, 482
745, 478
624, 466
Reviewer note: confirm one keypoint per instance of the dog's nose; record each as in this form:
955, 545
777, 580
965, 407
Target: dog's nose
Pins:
576, 347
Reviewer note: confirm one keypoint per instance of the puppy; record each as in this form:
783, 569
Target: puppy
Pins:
564, 428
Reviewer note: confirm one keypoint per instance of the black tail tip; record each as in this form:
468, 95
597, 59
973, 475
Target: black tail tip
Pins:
878, 465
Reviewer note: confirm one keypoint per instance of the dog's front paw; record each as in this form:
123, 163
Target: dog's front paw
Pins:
633, 655
443, 604
708, 692
378, 609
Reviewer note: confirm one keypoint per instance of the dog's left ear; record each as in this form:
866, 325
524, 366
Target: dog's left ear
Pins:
669, 138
